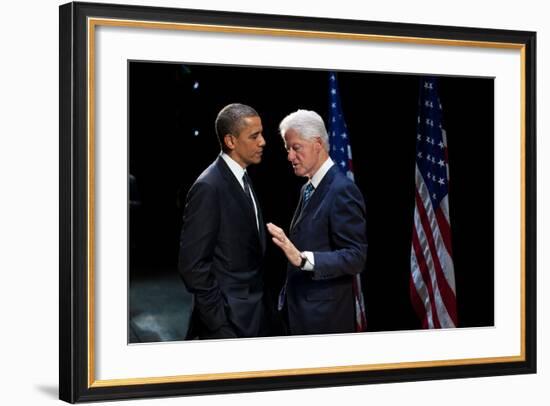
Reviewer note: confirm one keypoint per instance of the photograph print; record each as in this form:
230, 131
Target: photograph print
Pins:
277, 202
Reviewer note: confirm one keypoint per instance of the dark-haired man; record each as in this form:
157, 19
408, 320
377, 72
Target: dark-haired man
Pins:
222, 241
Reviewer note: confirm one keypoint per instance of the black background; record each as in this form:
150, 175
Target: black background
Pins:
380, 110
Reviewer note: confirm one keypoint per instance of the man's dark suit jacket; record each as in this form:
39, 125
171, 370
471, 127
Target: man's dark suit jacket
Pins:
221, 253
332, 225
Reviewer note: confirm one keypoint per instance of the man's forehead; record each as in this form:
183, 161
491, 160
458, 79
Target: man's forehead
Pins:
291, 132
249, 121
298, 138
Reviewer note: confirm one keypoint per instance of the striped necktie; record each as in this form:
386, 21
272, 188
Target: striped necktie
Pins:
308, 191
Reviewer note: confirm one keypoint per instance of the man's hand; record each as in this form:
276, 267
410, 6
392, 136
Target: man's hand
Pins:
281, 240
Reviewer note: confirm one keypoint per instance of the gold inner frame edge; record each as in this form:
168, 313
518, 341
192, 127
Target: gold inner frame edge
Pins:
93, 22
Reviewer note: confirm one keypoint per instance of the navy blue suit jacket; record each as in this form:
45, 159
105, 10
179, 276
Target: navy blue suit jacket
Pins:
221, 254
332, 225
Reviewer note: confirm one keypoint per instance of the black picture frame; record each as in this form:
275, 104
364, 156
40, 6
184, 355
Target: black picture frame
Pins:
76, 378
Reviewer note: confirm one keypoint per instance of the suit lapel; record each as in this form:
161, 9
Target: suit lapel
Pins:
238, 191
316, 198
261, 231
298, 210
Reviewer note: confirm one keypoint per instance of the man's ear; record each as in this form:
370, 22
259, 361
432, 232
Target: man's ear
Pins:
318, 144
229, 141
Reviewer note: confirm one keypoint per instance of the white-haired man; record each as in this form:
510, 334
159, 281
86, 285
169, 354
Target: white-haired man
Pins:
327, 242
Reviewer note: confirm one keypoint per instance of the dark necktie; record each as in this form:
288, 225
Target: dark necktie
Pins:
246, 183
257, 214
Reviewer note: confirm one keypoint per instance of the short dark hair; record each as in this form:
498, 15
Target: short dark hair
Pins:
230, 120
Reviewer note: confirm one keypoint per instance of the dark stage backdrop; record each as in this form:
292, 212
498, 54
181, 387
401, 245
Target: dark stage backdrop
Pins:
172, 140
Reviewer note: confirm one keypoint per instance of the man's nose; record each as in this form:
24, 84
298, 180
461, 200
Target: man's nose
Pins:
290, 156
262, 141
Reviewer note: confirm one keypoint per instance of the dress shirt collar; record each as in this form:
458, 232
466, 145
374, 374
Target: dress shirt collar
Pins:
239, 172
236, 169
321, 172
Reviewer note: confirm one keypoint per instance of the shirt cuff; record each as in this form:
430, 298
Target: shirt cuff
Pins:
310, 261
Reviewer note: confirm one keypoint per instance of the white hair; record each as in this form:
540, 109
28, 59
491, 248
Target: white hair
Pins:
308, 124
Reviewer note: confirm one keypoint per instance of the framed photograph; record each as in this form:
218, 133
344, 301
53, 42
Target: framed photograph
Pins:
431, 127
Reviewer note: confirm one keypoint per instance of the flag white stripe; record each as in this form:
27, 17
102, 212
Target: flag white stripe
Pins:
445, 208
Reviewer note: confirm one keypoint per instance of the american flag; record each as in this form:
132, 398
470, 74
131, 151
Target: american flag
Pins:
340, 152
432, 285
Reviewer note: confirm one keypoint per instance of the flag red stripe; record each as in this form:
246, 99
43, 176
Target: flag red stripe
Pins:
447, 294
425, 276
444, 229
